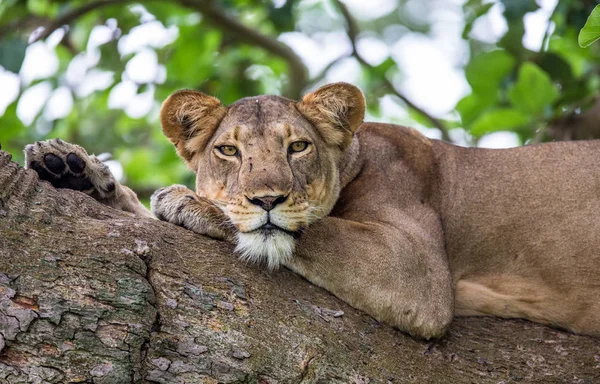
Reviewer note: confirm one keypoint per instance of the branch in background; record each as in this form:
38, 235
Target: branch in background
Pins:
576, 125
73, 15
297, 72
352, 31
16, 25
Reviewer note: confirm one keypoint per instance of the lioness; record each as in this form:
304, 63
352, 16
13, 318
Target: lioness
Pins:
408, 229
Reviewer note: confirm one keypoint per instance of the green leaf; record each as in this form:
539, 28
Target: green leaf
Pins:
42, 7
502, 119
567, 47
193, 55
533, 90
470, 107
486, 72
8, 8
382, 69
12, 53
557, 67
591, 30
282, 17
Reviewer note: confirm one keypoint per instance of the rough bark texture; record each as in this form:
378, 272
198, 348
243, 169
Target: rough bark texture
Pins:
90, 294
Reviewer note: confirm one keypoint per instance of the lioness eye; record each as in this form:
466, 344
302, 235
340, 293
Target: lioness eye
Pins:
298, 146
228, 150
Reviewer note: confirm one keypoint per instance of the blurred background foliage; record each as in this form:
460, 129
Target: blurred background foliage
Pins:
94, 72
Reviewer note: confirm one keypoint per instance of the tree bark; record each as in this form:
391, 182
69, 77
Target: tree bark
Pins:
90, 294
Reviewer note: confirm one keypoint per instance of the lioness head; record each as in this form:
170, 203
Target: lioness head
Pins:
271, 164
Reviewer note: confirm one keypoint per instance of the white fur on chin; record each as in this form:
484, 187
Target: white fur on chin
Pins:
270, 247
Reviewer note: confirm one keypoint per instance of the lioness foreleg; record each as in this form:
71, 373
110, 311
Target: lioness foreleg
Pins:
67, 165
399, 275
181, 206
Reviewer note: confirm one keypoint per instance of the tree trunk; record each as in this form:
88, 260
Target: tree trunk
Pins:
91, 294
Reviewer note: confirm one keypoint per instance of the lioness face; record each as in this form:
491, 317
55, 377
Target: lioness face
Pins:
269, 172
271, 164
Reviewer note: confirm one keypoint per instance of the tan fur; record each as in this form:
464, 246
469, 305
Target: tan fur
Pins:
102, 185
408, 229
181, 206
189, 118
336, 110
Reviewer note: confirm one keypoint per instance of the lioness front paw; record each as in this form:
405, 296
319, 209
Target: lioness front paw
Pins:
67, 165
179, 205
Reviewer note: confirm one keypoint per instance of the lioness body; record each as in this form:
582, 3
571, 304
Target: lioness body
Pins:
408, 229
521, 226
522, 231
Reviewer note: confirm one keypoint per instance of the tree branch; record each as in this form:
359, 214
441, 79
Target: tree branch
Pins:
297, 72
92, 294
576, 126
352, 31
19, 24
73, 15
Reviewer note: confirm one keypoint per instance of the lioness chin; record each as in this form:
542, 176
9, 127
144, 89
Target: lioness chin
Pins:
408, 229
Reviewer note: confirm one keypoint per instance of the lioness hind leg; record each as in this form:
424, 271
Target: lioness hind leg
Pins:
526, 298
69, 166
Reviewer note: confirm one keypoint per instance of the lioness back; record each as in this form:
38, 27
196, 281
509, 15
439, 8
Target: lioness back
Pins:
522, 231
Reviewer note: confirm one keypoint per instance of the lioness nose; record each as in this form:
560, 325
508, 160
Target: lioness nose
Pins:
268, 202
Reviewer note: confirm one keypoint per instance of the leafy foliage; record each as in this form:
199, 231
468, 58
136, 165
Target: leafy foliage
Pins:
117, 61
533, 92
12, 53
591, 30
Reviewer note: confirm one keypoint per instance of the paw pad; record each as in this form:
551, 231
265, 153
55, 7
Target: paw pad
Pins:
54, 163
62, 175
76, 163
66, 165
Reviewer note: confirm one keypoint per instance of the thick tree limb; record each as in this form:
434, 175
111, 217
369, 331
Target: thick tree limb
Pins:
352, 31
90, 294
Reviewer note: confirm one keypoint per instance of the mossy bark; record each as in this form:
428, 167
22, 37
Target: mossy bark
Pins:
91, 294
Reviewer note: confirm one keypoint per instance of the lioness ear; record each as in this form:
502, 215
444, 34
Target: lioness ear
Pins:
336, 110
189, 118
